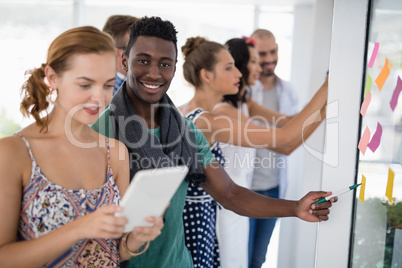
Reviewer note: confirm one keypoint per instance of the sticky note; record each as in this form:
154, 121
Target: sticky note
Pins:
365, 104
362, 188
364, 141
382, 77
373, 55
368, 85
390, 185
395, 95
376, 139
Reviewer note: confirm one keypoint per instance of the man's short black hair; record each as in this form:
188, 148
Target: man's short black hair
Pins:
153, 26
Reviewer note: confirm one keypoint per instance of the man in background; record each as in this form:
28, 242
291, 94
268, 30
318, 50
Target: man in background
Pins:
118, 26
269, 177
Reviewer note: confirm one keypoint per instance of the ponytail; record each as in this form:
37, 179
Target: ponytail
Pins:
35, 96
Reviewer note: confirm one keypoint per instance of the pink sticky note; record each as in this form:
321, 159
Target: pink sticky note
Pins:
365, 104
373, 55
364, 141
376, 139
383, 75
395, 95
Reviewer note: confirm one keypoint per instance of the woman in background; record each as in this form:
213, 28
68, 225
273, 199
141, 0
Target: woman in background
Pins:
60, 181
210, 68
232, 229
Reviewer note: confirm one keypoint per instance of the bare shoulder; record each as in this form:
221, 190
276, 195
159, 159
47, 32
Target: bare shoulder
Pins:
186, 108
114, 145
204, 120
119, 162
118, 155
117, 149
225, 108
14, 155
12, 146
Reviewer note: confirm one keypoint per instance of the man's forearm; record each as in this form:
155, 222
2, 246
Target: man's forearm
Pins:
242, 200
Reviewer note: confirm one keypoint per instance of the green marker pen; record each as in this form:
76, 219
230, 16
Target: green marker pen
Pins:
322, 200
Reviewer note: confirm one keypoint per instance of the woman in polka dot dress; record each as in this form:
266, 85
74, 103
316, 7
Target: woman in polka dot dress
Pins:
210, 68
200, 216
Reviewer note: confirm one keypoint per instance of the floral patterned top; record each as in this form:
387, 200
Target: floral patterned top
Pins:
46, 206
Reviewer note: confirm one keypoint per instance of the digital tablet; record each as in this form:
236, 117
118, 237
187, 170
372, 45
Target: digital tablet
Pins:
149, 193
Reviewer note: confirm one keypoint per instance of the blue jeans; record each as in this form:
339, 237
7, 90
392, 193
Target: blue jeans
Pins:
260, 234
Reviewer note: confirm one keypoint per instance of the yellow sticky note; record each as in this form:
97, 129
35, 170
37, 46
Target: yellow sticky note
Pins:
390, 185
362, 188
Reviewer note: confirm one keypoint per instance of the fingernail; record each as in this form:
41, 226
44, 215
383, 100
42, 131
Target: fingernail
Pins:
313, 206
310, 211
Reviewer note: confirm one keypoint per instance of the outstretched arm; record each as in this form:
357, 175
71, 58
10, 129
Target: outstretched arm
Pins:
229, 125
302, 124
266, 115
274, 118
248, 203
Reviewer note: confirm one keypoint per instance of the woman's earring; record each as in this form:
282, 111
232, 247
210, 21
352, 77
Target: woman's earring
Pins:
53, 96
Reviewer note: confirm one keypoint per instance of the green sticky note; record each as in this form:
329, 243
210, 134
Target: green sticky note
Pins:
368, 85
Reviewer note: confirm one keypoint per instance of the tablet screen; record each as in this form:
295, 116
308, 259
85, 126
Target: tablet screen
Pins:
149, 193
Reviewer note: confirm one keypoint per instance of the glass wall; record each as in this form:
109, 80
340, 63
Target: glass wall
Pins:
377, 227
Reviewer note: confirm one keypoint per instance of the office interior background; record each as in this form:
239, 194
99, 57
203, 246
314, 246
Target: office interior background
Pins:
314, 36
